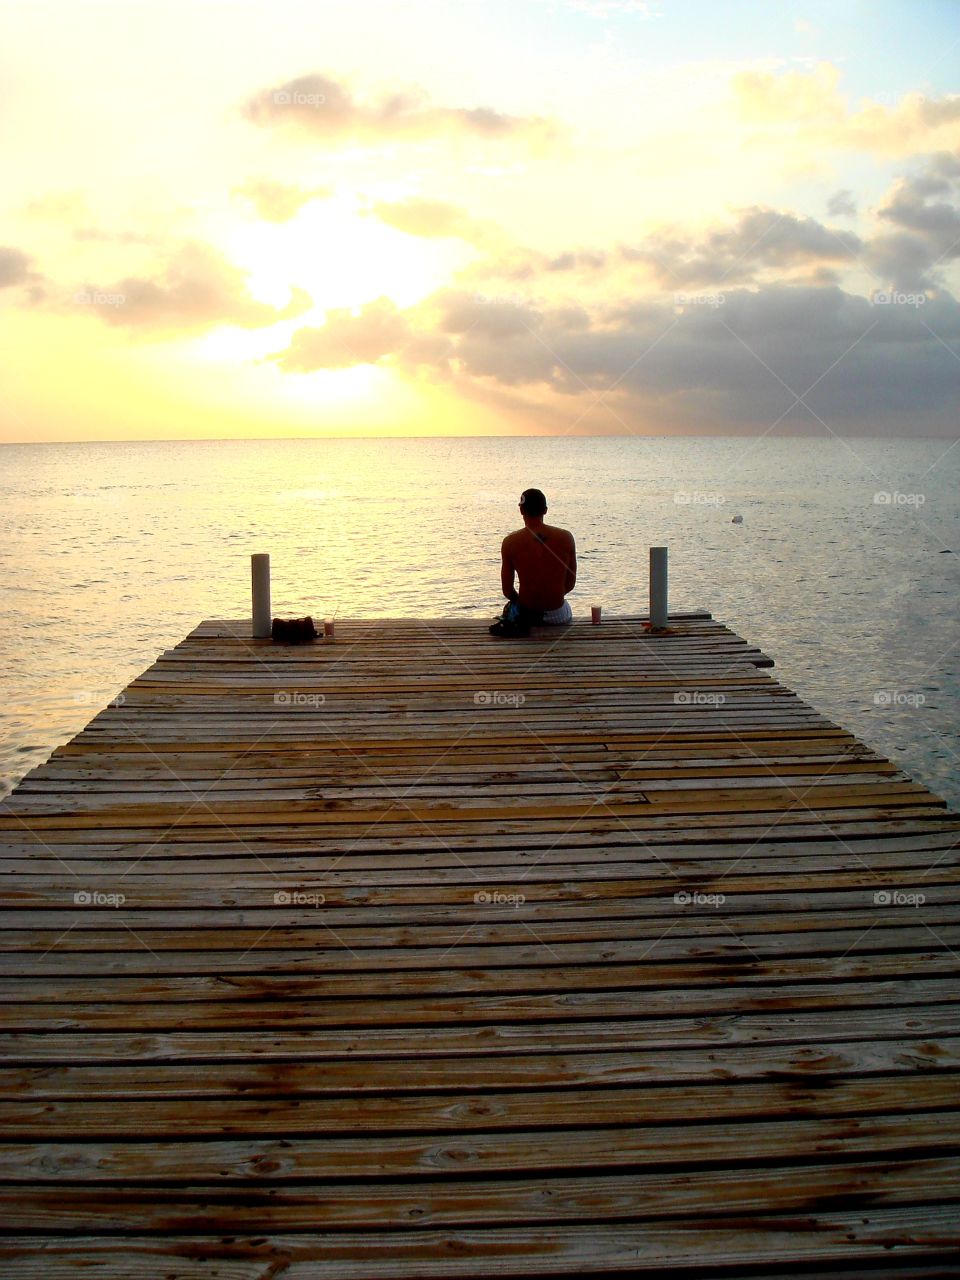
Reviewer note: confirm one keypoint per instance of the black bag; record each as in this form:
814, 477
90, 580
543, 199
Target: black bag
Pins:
516, 620
293, 630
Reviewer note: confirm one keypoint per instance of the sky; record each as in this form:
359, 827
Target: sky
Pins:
262, 218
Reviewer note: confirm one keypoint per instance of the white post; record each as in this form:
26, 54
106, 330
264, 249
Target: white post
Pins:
658, 586
260, 583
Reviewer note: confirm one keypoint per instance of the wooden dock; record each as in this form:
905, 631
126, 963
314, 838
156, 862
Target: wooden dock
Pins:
422, 953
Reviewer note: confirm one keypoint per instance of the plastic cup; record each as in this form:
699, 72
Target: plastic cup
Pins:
595, 614
328, 628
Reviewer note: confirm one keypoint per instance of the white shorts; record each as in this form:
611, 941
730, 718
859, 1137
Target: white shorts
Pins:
555, 617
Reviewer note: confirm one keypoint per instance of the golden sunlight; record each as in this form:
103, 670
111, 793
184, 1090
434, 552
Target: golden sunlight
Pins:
342, 257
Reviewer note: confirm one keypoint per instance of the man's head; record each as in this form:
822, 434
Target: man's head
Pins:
533, 504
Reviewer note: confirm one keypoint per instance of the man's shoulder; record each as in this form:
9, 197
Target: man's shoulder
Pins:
564, 534
511, 538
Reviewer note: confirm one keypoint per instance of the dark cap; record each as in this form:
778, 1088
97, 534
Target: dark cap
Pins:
533, 502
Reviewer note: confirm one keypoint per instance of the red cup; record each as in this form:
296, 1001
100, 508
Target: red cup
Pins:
328, 627
595, 614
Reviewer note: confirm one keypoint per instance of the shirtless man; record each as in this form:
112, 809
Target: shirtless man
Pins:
544, 559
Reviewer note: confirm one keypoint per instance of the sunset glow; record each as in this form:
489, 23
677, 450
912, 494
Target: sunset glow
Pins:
574, 217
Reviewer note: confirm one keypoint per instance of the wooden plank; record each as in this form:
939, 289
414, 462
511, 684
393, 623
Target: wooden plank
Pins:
905, 1232
464, 1202
795, 1026
572, 1110
430, 1134
597, 1070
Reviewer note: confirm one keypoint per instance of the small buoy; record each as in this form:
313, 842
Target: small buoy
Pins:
946, 552
737, 520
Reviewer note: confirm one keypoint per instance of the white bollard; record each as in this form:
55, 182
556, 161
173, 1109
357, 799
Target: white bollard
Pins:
260, 584
658, 586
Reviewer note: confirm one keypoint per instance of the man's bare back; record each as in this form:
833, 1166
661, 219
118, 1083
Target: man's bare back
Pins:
541, 556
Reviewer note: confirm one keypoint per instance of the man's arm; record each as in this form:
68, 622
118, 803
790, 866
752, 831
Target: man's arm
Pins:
570, 580
506, 572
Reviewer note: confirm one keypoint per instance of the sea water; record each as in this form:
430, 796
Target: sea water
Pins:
844, 567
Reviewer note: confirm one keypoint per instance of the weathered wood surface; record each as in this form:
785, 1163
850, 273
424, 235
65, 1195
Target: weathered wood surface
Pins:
426, 954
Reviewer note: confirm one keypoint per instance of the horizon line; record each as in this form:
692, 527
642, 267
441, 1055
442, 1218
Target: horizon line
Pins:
613, 435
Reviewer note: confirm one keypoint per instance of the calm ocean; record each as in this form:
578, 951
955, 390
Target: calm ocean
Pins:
112, 552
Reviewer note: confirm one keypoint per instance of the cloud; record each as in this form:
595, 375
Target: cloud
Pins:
347, 339
759, 243
321, 108
794, 98
741, 360
761, 239
198, 289
922, 235
15, 267
279, 201
908, 205
809, 108
916, 123
911, 244
842, 204
781, 357
432, 219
